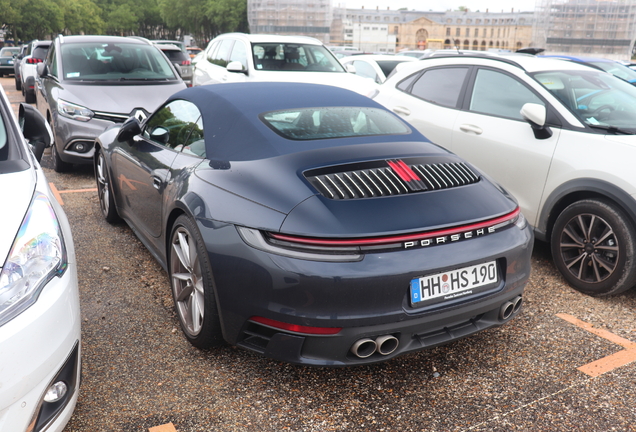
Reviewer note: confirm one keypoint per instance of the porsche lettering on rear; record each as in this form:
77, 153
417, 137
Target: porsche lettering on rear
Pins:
433, 241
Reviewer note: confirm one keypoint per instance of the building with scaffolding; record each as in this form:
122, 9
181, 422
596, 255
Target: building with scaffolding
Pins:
291, 17
604, 28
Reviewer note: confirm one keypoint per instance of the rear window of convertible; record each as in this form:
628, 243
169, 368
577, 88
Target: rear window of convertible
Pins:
333, 122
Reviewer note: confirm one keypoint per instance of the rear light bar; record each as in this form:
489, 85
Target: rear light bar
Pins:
185, 63
376, 241
32, 60
295, 328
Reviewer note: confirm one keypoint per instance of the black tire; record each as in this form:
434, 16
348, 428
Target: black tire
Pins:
192, 285
105, 190
58, 164
593, 248
18, 84
29, 97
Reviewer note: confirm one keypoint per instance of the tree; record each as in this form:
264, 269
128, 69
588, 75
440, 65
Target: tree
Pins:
82, 16
39, 19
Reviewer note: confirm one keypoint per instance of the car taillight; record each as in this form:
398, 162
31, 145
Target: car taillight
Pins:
185, 63
33, 60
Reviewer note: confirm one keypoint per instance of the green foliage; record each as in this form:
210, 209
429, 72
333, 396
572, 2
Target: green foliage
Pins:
155, 19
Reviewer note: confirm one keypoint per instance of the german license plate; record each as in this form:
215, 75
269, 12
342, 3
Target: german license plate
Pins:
453, 284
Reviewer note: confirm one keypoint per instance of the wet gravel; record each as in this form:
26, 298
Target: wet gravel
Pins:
140, 372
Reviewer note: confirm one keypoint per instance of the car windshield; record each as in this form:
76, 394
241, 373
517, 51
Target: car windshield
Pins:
617, 69
333, 122
97, 61
599, 99
294, 57
9, 52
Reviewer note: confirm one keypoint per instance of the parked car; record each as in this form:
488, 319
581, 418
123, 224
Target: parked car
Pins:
40, 319
177, 43
309, 224
612, 66
418, 54
89, 83
28, 68
180, 60
556, 134
24, 51
193, 51
375, 67
7, 57
238, 57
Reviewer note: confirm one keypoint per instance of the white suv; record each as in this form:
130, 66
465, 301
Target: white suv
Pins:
561, 137
239, 57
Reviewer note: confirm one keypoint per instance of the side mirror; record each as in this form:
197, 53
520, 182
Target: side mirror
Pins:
350, 68
42, 69
236, 67
129, 129
160, 135
536, 114
35, 129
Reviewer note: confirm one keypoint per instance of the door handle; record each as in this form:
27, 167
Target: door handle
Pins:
402, 110
471, 129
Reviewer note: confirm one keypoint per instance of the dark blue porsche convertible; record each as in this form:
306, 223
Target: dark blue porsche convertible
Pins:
312, 225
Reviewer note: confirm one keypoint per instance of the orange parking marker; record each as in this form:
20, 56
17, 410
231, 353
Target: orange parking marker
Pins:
168, 427
611, 362
58, 193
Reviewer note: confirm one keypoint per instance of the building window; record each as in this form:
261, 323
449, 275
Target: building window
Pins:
476, 32
458, 31
447, 31
467, 32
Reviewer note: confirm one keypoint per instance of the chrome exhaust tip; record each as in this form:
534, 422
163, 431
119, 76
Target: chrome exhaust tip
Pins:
387, 344
517, 301
364, 348
506, 310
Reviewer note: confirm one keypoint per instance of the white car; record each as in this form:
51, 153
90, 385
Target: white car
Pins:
376, 67
28, 68
39, 301
239, 57
559, 136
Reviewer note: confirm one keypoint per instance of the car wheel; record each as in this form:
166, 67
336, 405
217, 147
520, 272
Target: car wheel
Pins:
18, 84
29, 97
105, 191
593, 247
192, 285
58, 164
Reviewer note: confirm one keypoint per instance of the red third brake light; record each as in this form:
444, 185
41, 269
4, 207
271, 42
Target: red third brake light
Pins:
32, 60
185, 63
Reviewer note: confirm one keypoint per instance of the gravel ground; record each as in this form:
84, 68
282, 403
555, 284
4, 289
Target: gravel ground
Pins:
140, 372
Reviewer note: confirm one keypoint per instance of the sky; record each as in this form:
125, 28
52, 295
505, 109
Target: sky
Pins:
440, 5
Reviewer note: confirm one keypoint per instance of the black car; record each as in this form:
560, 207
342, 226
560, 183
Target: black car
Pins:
312, 225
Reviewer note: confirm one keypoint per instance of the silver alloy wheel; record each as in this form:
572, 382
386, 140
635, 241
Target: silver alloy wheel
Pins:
589, 248
103, 188
187, 281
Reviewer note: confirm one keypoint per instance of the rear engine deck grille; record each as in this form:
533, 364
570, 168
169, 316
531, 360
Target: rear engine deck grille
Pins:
395, 179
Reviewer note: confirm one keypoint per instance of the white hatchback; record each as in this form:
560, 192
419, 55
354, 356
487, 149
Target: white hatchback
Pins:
39, 301
239, 57
561, 137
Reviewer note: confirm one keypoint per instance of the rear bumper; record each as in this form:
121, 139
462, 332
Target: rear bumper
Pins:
367, 298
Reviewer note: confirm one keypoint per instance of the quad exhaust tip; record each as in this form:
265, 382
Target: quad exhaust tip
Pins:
510, 307
383, 345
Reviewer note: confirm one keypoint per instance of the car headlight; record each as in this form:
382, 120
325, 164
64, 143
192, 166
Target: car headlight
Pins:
37, 255
74, 111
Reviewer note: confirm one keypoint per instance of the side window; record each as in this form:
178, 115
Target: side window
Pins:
172, 125
440, 86
209, 54
222, 55
195, 143
500, 95
239, 54
365, 70
51, 60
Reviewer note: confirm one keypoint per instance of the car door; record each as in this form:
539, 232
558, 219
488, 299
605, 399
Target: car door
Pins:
47, 85
429, 101
491, 134
213, 68
141, 165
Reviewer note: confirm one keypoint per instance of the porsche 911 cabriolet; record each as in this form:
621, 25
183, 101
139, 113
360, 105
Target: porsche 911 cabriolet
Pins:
312, 225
